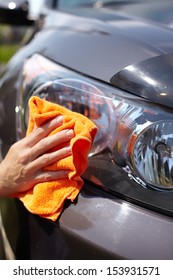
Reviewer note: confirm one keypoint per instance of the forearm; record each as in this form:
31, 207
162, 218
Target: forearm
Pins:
4, 187
2, 190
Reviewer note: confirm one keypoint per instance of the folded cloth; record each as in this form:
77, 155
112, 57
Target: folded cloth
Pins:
47, 199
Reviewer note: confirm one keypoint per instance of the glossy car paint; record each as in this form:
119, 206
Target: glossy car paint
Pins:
103, 223
146, 79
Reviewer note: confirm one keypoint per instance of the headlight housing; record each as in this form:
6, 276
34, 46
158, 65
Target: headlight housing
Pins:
137, 135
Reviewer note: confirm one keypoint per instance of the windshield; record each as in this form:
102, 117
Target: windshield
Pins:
157, 10
73, 3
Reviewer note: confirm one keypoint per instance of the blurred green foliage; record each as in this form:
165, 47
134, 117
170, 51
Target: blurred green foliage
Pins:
6, 51
10, 40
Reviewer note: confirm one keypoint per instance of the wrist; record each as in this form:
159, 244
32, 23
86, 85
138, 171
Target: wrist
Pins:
2, 189
3, 181
2, 192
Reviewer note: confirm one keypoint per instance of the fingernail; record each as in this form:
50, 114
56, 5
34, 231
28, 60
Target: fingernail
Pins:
69, 133
68, 149
59, 119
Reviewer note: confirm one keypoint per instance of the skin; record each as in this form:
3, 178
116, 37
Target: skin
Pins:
23, 165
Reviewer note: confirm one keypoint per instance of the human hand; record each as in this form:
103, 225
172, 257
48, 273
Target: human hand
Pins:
23, 165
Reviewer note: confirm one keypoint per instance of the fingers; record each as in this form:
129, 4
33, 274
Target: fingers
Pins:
41, 132
24, 163
49, 158
50, 142
51, 176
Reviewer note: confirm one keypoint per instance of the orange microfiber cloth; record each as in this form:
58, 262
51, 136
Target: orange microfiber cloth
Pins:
47, 199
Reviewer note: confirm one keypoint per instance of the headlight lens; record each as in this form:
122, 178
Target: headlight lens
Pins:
87, 99
152, 154
138, 135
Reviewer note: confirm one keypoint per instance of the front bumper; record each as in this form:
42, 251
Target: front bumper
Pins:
96, 227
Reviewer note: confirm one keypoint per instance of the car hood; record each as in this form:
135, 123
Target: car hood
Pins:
131, 53
150, 79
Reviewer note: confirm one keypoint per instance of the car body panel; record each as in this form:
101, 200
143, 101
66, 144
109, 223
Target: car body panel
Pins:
77, 57
150, 79
100, 33
96, 227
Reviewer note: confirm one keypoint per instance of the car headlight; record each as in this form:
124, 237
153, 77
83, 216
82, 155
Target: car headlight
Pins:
137, 134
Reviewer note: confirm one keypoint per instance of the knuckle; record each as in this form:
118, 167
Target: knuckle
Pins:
24, 172
42, 146
39, 132
47, 176
45, 159
16, 147
23, 158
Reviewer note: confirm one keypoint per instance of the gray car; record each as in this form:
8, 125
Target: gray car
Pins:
113, 62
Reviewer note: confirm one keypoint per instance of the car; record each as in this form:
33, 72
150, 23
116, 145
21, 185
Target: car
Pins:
111, 61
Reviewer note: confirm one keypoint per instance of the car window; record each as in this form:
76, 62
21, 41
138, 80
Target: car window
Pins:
156, 10
74, 3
